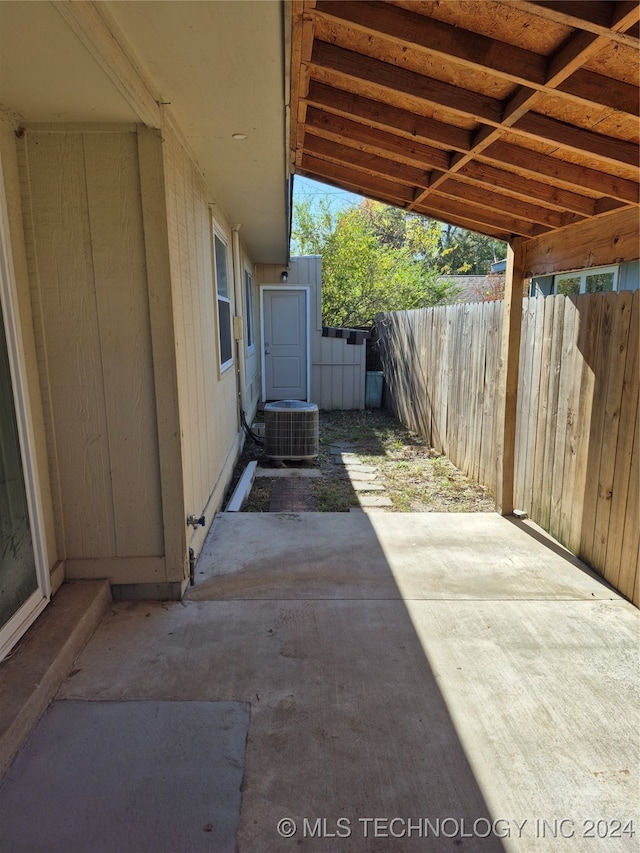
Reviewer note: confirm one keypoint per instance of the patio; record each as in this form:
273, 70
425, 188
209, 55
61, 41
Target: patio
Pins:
460, 673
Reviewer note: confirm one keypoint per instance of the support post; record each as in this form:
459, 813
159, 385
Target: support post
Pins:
156, 236
508, 376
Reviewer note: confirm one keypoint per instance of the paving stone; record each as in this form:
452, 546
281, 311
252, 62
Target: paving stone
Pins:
361, 476
367, 487
358, 466
369, 501
347, 458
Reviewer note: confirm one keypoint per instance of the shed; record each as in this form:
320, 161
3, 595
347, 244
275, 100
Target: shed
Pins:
327, 365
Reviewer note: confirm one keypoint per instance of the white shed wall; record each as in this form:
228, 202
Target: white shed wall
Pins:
337, 368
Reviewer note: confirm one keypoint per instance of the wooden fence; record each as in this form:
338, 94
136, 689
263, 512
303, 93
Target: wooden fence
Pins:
440, 367
577, 470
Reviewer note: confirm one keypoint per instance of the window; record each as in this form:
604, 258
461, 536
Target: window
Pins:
598, 280
224, 303
248, 298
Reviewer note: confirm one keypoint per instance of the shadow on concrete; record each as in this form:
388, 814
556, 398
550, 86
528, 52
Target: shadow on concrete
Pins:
555, 547
348, 721
395, 704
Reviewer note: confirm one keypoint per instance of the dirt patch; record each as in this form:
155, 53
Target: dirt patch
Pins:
414, 476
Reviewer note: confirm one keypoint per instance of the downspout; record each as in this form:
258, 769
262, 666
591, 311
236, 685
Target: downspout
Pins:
238, 321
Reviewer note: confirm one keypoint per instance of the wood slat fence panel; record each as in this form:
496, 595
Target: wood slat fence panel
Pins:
577, 467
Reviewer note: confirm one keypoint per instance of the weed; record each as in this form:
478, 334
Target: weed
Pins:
414, 476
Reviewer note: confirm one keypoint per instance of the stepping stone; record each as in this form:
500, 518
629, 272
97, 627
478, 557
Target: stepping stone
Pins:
367, 487
339, 446
371, 501
361, 476
346, 458
360, 468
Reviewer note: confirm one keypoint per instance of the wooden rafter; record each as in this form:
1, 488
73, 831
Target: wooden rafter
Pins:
402, 28
439, 113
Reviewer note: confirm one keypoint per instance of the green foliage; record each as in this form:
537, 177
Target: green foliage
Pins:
374, 258
468, 253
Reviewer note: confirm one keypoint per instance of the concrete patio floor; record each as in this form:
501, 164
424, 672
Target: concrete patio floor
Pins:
415, 682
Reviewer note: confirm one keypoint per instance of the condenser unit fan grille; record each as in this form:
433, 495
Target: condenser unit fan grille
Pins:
291, 430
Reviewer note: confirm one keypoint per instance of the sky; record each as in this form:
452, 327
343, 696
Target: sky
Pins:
305, 188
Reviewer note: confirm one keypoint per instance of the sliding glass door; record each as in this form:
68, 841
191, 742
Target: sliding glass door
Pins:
24, 582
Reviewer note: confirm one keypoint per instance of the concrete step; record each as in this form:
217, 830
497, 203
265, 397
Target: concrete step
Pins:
31, 675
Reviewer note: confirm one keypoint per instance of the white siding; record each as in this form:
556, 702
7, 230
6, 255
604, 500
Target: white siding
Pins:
338, 373
207, 398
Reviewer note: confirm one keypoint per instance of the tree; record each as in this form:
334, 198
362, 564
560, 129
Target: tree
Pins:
467, 252
375, 258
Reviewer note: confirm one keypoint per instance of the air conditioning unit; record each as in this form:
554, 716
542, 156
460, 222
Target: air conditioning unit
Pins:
291, 430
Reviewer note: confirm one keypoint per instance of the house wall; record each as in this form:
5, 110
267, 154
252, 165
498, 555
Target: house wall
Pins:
211, 433
139, 425
86, 267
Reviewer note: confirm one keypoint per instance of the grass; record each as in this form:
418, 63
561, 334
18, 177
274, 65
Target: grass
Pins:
415, 477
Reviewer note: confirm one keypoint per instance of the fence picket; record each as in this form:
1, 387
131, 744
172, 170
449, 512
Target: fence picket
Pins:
577, 453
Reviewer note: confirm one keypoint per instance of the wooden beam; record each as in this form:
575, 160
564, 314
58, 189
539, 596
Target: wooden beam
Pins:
508, 205
508, 377
358, 181
596, 89
478, 216
540, 182
375, 141
91, 24
341, 154
593, 17
337, 66
302, 36
610, 239
527, 188
571, 56
626, 14
407, 85
404, 30
561, 172
374, 113
604, 148
408, 30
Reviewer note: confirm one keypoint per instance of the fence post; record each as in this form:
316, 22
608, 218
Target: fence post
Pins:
508, 376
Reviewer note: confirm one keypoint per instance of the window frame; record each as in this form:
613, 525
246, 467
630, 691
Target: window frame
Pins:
250, 330
583, 274
225, 298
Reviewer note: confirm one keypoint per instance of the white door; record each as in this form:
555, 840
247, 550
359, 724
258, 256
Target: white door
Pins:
285, 344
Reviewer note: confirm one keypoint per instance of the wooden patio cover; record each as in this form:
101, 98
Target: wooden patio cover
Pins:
511, 118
